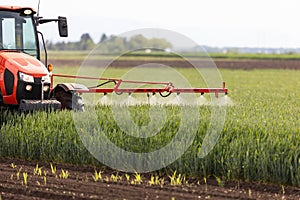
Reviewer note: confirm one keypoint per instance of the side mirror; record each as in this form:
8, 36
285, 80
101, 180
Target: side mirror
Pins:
63, 26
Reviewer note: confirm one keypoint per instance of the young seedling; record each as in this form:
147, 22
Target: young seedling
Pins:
127, 176
283, 190
25, 177
13, 165
37, 170
219, 181
64, 174
138, 178
156, 180
97, 176
159, 181
250, 193
45, 180
176, 180
45, 176
114, 178
118, 177
18, 173
151, 181
205, 181
53, 169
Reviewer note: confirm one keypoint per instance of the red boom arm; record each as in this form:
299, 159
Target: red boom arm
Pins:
168, 87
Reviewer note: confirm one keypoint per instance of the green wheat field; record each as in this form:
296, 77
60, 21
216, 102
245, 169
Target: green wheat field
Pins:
260, 140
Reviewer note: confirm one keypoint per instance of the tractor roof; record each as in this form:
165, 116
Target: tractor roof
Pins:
14, 8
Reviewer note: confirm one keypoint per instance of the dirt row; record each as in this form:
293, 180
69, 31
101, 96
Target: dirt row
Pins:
224, 63
80, 184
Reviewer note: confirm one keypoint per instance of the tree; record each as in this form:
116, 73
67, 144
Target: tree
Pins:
86, 42
137, 42
103, 38
159, 43
111, 44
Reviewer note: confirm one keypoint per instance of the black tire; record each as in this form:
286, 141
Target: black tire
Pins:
68, 100
1, 99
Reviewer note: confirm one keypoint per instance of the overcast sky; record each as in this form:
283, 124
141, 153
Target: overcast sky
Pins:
251, 23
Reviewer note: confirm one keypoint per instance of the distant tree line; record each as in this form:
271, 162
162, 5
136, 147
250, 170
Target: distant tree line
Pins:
110, 44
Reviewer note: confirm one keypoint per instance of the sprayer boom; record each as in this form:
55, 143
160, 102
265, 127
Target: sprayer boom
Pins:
165, 89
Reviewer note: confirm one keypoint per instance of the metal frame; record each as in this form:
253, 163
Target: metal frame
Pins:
167, 87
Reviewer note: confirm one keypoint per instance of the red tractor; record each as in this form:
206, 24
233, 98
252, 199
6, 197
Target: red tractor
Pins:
26, 83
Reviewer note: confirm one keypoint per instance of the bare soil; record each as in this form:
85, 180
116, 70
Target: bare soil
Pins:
220, 63
81, 185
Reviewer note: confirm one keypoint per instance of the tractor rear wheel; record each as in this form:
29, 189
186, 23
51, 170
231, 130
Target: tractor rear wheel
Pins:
69, 100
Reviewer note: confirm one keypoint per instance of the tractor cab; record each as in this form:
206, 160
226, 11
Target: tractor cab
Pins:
18, 31
24, 80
